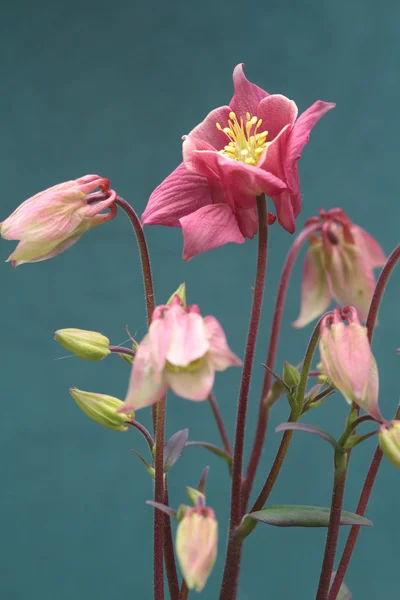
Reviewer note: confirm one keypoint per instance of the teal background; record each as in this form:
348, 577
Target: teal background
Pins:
110, 88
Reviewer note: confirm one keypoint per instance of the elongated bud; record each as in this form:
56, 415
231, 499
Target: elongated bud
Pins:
102, 409
181, 293
290, 375
196, 546
89, 345
389, 442
348, 361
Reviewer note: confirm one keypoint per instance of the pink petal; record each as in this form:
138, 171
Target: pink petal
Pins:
192, 385
93, 210
207, 130
159, 336
300, 136
315, 291
219, 354
247, 221
369, 246
284, 203
180, 194
144, 389
276, 112
188, 337
208, 228
246, 96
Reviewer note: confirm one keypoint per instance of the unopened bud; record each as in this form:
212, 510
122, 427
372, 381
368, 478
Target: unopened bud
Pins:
89, 345
290, 375
196, 546
389, 442
102, 409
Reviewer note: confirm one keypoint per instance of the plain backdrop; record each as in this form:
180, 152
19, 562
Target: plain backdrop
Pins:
110, 88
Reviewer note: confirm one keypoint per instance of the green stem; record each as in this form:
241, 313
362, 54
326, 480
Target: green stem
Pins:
232, 563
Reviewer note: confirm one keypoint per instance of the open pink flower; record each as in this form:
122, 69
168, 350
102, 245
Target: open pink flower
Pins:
53, 220
182, 350
348, 360
339, 265
238, 152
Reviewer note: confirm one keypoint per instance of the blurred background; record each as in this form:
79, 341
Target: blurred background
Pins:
110, 88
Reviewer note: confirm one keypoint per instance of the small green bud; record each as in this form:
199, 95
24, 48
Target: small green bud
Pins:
181, 293
89, 345
102, 409
290, 375
180, 513
195, 496
389, 441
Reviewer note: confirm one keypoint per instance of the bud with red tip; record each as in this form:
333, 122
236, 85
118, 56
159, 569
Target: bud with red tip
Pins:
348, 361
196, 545
53, 220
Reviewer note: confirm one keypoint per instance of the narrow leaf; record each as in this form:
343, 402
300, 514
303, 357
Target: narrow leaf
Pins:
149, 468
174, 448
214, 449
163, 507
311, 429
291, 515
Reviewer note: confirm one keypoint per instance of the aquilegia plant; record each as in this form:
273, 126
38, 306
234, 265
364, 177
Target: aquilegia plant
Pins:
239, 155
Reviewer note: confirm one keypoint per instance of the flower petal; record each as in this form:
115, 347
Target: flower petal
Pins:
219, 354
276, 112
188, 336
207, 130
315, 290
30, 252
208, 228
368, 246
180, 194
192, 385
144, 389
246, 96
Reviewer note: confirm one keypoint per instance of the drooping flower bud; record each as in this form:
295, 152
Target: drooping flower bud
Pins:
348, 361
389, 441
89, 345
196, 546
53, 220
339, 265
102, 408
290, 375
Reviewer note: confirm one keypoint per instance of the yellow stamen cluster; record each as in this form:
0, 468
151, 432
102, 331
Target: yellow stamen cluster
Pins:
245, 144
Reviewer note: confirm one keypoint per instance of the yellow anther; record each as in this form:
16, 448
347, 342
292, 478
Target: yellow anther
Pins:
245, 143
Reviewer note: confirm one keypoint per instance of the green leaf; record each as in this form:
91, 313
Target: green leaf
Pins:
292, 515
163, 508
174, 448
311, 429
214, 449
149, 468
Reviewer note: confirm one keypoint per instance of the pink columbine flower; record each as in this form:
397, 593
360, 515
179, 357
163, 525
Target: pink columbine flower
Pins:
196, 546
182, 350
339, 265
53, 220
238, 152
348, 361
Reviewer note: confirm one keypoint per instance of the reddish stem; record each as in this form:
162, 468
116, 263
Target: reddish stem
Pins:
232, 563
184, 593
376, 460
270, 360
159, 497
121, 350
169, 555
220, 423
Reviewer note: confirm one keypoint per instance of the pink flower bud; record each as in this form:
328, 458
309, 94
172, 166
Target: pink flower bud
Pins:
181, 351
338, 265
53, 220
196, 546
348, 361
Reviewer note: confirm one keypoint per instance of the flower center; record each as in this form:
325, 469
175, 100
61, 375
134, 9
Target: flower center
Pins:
193, 366
245, 144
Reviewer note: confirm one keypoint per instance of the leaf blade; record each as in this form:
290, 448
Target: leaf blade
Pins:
292, 515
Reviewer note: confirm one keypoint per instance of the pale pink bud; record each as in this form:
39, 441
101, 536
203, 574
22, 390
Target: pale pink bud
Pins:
348, 361
389, 441
339, 265
181, 351
53, 220
196, 546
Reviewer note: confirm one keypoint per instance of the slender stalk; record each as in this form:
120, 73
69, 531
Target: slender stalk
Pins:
121, 350
184, 593
271, 356
333, 527
220, 423
294, 416
159, 497
232, 563
376, 460
145, 433
169, 554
